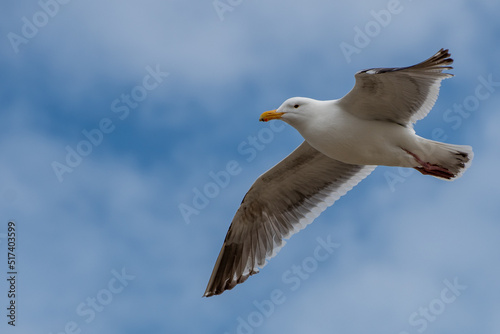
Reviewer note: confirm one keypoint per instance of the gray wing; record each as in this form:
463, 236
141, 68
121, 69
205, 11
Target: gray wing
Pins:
402, 95
280, 203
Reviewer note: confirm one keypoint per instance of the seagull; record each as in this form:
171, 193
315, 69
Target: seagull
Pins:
344, 140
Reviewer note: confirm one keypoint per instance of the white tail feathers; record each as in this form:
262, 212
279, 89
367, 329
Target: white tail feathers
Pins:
445, 161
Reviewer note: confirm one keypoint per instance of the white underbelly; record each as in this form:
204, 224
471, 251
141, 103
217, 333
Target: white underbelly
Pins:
365, 143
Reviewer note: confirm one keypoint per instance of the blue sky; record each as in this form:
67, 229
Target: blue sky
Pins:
114, 114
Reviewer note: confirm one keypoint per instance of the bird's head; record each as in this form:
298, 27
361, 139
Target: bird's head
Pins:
291, 111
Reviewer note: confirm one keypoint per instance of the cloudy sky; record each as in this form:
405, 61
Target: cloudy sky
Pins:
115, 117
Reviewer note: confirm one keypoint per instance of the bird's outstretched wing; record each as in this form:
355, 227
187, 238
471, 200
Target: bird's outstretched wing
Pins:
402, 95
280, 203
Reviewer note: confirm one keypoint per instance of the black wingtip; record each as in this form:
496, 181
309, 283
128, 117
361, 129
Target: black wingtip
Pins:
441, 58
439, 61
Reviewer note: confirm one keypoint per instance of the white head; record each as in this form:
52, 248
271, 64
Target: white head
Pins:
294, 111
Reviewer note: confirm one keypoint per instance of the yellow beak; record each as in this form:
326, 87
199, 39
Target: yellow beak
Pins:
269, 115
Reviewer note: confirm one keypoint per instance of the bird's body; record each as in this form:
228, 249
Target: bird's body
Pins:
345, 140
345, 137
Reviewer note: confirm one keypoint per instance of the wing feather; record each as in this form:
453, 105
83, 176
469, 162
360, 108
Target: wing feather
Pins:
280, 203
402, 95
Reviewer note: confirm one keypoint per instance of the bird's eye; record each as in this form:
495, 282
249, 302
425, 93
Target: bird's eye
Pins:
296, 106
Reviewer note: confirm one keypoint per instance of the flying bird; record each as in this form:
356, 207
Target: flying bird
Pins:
344, 140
